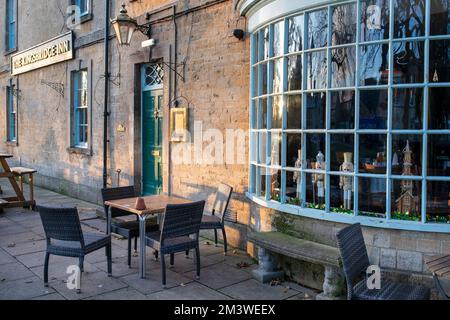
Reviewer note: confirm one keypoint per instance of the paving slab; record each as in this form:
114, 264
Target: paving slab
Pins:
152, 283
11, 227
26, 247
35, 259
207, 247
92, 284
254, 290
234, 258
21, 289
52, 297
5, 257
14, 271
220, 275
121, 294
57, 270
185, 264
190, 291
97, 224
16, 238
100, 255
120, 266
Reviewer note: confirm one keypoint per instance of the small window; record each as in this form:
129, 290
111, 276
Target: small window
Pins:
84, 6
11, 115
11, 26
80, 107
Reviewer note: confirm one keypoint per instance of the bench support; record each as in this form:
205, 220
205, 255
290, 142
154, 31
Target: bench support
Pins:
268, 267
333, 284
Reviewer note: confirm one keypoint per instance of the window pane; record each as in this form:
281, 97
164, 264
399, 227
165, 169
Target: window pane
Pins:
407, 108
296, 27
254, 146
438, 204
407, 154
277, 76
293, 187
316, 110
440, 61
341, 194
317, 29
315, 191
317, 70
408, 62
261, 178
263, 67
262, 148
440, 17
409, 18
373, 109
344, 24
255, 47
262, 114
252, 186
438, 155
438, 112
405, 200
275, 184
341, 147
372, 153
372, 197
264, 44
275, 149
255, 81
315, 151
277, 112
343, 67
374, 20
278, 38
293, 150
343, 109
294, 72
374, 64
294, 111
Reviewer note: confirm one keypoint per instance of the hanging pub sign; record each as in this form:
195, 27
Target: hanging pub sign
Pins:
47, 53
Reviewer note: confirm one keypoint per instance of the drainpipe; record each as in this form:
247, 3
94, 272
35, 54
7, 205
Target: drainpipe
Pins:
106, 113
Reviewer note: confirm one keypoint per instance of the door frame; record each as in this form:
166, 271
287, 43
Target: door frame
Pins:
145, 88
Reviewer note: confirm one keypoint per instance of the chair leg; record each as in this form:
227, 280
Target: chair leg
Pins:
215, 237
109, 259
225, 246
187, 254
156, 254
197, 260
135, 244
81, 263
172, 259
129, 252
47, 256
163, 271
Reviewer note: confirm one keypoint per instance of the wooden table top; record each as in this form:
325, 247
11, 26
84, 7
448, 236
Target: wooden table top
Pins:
5, 155
155, 204
439, 265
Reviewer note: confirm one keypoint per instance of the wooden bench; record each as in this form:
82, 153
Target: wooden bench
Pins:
269, 243
20, 173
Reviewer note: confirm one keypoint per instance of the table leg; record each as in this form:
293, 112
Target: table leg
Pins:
108, 221
31, 182
142, 247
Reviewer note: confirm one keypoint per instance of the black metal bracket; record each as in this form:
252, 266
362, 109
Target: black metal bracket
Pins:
58, 87
174, 68
16, 93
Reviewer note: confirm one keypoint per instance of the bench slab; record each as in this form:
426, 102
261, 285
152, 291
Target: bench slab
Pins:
297, 248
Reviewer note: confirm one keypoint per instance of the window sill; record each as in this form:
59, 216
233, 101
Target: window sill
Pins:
86, 17
344, 218
79, 150
9, 52
11, 143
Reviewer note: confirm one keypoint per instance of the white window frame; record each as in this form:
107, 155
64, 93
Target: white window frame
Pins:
254, 192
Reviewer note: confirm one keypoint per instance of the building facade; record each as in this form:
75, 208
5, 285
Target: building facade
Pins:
326, 113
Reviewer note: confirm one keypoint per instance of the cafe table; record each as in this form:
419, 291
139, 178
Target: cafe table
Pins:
155, 205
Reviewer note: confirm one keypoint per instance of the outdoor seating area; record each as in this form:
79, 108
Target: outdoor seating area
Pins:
37, 248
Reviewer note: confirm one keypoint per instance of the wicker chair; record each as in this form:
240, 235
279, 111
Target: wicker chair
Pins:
355, 263
65, 238
179, 223
127, 229
216, 221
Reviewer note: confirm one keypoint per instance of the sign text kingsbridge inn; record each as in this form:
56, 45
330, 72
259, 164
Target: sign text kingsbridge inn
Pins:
50, 52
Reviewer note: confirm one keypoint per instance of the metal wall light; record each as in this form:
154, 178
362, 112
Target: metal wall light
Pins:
125, 26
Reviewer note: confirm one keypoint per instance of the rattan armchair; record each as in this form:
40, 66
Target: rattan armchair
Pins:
355, 263
179, 233
65, 238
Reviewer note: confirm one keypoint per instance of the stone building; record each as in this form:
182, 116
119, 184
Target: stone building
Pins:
309, 77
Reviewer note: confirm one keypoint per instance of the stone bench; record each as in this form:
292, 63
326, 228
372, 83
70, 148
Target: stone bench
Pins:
269, 243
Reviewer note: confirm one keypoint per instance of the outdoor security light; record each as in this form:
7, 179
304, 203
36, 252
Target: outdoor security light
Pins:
124, 27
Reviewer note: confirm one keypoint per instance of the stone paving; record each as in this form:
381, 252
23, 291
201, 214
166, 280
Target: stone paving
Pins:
22, 250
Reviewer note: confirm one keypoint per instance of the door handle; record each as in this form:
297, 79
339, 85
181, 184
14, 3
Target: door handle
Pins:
156, 153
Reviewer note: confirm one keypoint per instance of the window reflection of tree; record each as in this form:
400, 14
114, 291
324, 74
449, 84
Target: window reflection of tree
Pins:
343, 61
408, 60
409, 18
344, 24
374, 63
380, 31
295, 33
317, 29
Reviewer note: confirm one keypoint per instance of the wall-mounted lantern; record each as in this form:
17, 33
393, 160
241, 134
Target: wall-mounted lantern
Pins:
124, 27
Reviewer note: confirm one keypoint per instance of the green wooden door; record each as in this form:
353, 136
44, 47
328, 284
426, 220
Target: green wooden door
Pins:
152, 142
